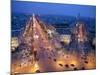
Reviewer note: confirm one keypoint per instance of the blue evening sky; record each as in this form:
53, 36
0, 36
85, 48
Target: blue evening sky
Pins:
53, 9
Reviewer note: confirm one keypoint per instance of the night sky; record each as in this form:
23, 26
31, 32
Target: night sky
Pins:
53, 9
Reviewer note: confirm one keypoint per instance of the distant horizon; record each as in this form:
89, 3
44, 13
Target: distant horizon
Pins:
43, 8
27, 14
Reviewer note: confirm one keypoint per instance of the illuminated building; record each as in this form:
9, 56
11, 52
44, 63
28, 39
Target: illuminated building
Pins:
14, 43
